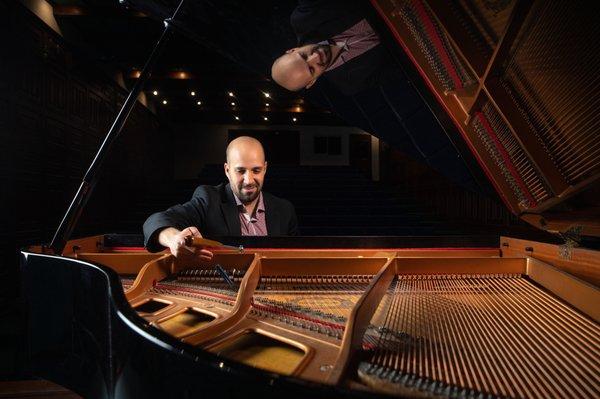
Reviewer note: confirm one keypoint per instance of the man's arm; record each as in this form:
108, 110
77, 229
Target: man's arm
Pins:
162, 228
174, 239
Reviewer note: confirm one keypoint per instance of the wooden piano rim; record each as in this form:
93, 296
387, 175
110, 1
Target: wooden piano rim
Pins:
543, 274
577, 293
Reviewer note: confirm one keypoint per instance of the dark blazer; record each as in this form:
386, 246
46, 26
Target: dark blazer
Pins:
214, 212
317, 20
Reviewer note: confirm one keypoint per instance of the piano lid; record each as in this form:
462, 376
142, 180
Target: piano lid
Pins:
517, 78
520, 81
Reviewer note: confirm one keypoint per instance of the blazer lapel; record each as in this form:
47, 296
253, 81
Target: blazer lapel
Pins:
230, 212
271, 217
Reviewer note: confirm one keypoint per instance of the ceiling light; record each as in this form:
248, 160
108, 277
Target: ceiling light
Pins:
165, 102
193, 93
199, 102
155, 93
237, 118
294, 119
267, 104
267, 95
233, 104
265, 118
230, 94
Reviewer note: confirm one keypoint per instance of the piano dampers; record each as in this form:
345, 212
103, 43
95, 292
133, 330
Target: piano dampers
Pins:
205, 284
433, 43
518, 171
552, 78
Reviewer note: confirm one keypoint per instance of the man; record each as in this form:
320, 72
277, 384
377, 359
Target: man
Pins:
238, 208
334, 39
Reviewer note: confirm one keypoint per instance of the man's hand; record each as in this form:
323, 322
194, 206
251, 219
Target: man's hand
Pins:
175, 241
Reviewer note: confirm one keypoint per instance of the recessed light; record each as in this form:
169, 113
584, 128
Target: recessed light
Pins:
267, 95
199, 102
193, 93
237, 118
230, 94
265, 118
165, 102
155, 93
294, 119
267, 104
233, 104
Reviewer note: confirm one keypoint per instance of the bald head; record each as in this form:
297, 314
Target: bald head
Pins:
245, 168
300, 67
246, 147
289, 72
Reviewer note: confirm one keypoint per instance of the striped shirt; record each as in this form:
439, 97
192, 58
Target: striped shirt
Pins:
354, 41
254, 224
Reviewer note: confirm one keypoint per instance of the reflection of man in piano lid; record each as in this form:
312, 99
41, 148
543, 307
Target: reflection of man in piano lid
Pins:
335, 39
238, 208
300, 67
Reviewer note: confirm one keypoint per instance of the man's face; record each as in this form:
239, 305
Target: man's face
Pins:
245, 170
301, 66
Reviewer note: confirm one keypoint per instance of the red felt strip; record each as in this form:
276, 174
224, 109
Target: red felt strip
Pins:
437, 42
505, 157
458, 123
281, 311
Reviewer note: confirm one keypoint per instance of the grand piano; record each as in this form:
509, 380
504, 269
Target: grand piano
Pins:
359, 317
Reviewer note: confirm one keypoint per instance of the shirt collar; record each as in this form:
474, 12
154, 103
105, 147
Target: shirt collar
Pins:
343, 47
259, 208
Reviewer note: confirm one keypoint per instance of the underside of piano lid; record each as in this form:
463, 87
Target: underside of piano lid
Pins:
520, 81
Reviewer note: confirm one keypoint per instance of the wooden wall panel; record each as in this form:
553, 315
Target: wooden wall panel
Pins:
55, 108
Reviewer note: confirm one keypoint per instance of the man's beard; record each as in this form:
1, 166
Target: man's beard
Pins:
247, 198
324, 52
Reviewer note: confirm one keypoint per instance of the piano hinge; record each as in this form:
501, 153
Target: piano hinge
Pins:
572, 238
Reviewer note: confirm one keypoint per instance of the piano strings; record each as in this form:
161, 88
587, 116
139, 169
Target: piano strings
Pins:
556, 90
320, 303
462, 336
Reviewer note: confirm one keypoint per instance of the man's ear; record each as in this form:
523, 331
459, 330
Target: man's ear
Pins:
312, 82
226, 168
